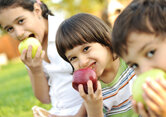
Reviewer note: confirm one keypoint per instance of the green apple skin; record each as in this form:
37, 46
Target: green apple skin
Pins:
137, 90
29, 41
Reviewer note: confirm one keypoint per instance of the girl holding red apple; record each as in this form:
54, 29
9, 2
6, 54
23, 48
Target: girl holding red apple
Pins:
50, 75
84, 41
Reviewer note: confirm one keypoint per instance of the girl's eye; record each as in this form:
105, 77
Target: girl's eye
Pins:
20, 21
150, 53
86, 48
72, 58
10, 29
134, 66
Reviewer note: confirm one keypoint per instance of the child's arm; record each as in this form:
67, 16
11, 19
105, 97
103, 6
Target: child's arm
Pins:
37, 76
93, 101
155, 98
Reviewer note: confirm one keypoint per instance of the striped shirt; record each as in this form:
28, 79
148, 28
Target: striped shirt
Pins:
117, 94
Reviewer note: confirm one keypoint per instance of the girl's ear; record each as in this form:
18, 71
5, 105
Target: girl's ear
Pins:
37, 10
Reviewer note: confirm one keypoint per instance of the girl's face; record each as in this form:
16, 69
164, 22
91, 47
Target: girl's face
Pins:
21, 23
145, 51
92, 55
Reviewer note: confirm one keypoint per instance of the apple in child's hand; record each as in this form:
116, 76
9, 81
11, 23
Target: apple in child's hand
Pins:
82, 76
137, 89
29, 41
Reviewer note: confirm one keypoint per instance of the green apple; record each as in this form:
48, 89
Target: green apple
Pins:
137, 90
29, 41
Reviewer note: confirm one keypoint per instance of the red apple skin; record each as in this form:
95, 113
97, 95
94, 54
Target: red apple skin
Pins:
82, 76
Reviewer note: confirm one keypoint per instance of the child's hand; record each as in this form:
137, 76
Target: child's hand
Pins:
155, 95
41, 112
140, 109
36, 61
93, 100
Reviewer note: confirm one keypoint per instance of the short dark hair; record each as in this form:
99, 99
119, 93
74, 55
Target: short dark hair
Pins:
80, 29
26, 4
147, 16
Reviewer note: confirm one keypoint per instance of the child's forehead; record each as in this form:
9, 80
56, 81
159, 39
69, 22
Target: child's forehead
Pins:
8, 15
140, 37
140, 42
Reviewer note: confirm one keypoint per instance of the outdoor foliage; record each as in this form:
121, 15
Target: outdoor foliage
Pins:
72, 7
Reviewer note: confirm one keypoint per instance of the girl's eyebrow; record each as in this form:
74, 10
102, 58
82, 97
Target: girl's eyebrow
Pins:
68, 57
6, 27
17, 18
14, 21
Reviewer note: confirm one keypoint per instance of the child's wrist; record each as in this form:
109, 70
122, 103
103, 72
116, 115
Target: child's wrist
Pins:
36, 69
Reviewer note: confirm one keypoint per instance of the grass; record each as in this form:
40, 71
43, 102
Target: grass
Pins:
16, 96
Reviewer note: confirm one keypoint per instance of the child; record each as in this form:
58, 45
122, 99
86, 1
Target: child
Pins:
111, 10
85, 41
50, 75
139, 38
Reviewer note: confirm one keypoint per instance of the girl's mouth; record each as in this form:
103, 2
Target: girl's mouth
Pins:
93, 66
32, 35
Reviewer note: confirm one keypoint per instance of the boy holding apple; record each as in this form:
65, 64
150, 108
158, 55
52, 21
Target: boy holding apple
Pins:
139, 37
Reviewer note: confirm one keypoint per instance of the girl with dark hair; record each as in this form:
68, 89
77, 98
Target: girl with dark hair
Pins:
50, 75
84, 41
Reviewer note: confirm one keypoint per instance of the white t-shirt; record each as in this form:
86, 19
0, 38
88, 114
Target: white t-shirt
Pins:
65, 100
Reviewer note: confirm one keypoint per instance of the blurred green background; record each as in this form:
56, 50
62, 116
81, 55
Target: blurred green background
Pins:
16, 95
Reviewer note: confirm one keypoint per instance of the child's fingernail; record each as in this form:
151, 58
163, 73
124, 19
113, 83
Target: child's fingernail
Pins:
148, 80
144, 86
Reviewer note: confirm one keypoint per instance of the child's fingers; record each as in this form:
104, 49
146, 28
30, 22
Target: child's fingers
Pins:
90, 88
99, 89
36, 114
81, 91
150, 94
151, 113
157, 86
38, 53
134, 105
23, 55
141, 110
151, 105
155, 98
162, 81
42, 54
29, 53
156, 93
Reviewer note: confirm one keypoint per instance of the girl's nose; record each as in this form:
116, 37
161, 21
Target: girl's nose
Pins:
19, 33
83, 62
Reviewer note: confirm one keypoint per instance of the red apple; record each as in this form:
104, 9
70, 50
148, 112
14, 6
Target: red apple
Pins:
82, 76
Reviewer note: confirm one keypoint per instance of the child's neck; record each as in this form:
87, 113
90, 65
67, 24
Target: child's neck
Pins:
109, 75
45, 41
